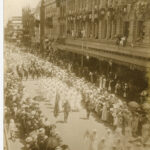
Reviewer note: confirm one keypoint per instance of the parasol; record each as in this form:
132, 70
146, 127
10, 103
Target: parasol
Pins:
133, 104
146, 106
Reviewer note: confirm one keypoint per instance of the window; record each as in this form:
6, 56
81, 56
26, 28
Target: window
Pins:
126, 29
140, 28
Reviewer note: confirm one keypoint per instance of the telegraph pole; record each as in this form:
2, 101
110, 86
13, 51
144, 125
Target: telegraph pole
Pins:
42, 25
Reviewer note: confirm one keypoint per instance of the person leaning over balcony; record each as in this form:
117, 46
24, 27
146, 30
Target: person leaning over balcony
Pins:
123, 41
118, 39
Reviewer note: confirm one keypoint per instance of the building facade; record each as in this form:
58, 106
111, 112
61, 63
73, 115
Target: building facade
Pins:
106, 35
100, 24
52, 29
14, 29
36, 13
105, 19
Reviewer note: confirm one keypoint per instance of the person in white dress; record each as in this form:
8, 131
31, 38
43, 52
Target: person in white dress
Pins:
86, 140
93, 141
101, 144
109, 140
104, 112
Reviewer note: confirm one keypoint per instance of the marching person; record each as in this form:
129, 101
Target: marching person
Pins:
56, 107
25, 73
88, 109
67, 109
94, 141
104, 112
86, 140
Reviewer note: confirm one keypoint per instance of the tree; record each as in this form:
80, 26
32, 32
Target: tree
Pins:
28, 26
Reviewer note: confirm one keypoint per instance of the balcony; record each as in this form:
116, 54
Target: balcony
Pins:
137, 56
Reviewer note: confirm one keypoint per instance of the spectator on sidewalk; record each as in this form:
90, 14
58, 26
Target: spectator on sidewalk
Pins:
12, 129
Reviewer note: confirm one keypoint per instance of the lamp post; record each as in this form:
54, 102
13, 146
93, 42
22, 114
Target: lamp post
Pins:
42, 25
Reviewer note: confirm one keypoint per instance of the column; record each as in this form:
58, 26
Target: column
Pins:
86, 29
96, 29
113, 31
118, 26
103, 28
108, 34
146, 30
132, 28
66, 18
100, 29
93, 29
74, 25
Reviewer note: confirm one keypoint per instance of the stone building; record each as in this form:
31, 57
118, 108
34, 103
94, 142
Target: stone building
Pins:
52, 19
14, 29
105, 19
92, 29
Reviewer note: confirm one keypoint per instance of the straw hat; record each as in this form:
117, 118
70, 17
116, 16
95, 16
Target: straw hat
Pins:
29, 139
41, 131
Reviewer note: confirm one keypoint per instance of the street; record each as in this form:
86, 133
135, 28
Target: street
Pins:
73, 131
43, 91
76, 75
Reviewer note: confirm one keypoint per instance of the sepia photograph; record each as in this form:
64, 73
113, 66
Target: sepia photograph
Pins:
76, 75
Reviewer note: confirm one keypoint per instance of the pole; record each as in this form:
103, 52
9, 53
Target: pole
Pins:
42, 25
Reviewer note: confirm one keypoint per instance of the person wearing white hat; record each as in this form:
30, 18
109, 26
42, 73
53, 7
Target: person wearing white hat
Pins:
28, 143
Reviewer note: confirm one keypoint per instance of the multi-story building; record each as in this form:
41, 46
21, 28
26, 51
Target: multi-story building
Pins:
14, 28
111, 32
96, 28
103, 21
51, 19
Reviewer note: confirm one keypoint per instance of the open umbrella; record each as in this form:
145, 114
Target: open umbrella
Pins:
146, 106
133, 104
